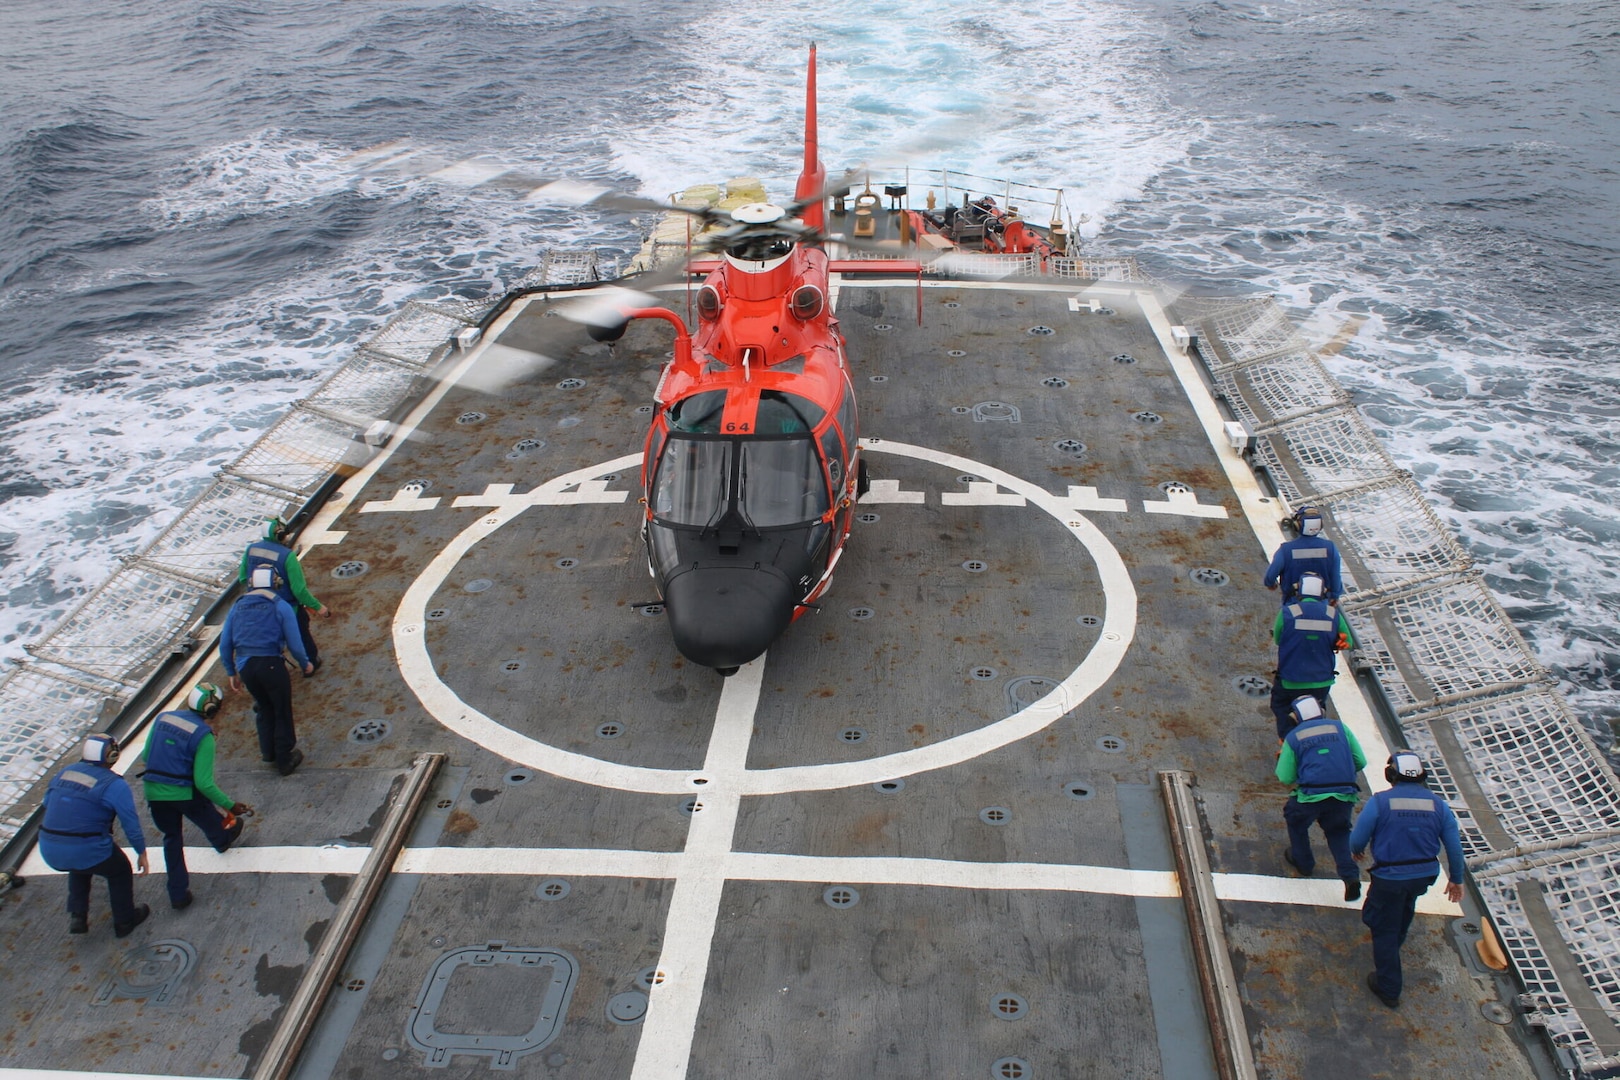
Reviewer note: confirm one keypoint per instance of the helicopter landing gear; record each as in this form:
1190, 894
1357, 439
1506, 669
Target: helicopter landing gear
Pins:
726, 672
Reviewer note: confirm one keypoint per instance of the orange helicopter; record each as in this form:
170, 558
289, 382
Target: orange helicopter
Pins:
752, 464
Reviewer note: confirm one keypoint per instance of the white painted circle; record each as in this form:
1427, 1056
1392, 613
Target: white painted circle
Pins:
441, 702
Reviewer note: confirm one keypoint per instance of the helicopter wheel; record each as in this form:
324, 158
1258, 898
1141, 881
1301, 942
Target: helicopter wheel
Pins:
726, 672
862, 483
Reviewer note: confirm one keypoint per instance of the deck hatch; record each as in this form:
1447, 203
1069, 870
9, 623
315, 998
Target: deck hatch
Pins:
152, 973
483, 994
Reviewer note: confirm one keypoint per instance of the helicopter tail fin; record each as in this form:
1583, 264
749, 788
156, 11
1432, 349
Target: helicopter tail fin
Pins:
813, 179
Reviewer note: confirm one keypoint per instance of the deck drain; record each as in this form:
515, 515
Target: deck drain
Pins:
1208, 575
567, 564
416, 486
643, 410
955, 352
840, 896
553, 888
352, 568
436, 614
1012, 1068
889, 787
1146, 417
1026, 690
354, 985
478, 585
152, 973
444, 804
501, 1016
609, 730
882, 326
952, 304
852, 735
439, 942
391, 1053
649, 977
1252, 686
1072, 447
867, 518
877, 378
1111, 744
1040, 331
1089, 620
960, 410
1077, 789
995, 815
525, 446
472, 417
1008, 1006
570, 421
974, 566
995, 412
983, 674
1124, 358
627, 1008
571, 384
609, 478
1175, 487
1055, 383
691, 805
649, 610
1496, 1013
860, 613
518, 776
511, 665
368, 731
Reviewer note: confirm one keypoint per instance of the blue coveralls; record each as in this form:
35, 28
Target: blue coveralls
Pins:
274, 555
1305, 555
1306, 631
257, 628
171, 759
1407, 826
75, 835
1323, 755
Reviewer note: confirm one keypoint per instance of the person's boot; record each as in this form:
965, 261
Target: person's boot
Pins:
124, 929
231, 835
78, 924
1352, 889
294, 759
182, 903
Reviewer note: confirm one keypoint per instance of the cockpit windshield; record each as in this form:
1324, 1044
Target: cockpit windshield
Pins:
782, 482
771, 482
693, 481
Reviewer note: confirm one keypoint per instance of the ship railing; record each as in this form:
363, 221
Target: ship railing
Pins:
1453, 674
111, 642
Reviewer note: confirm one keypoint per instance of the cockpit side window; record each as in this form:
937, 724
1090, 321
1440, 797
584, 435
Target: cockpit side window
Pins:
698, 414
786, 414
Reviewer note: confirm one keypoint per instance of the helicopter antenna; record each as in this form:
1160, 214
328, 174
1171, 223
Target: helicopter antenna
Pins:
813, 180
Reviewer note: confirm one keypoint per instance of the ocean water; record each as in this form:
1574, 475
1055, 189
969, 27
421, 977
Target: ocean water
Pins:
186, 245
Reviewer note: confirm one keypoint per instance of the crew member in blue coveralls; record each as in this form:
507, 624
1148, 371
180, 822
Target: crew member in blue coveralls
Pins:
1320, 757
1308, 553
288, 582
1308, 631
257, 628
75, 835
179, 781
1406, 825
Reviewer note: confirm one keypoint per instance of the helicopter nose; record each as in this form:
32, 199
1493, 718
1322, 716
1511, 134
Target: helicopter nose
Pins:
724, 616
